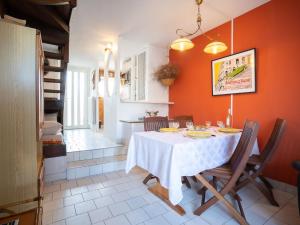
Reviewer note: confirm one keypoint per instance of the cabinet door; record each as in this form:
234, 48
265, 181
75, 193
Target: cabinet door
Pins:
141, 77
18, 145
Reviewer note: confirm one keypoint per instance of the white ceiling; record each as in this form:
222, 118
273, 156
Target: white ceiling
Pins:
97, 22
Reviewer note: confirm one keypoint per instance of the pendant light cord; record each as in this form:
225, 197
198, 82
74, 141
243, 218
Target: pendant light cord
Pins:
183, 34
232, 51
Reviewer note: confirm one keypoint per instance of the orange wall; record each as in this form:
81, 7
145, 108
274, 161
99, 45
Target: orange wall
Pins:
274, 30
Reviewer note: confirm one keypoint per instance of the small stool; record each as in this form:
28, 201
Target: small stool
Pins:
296, 166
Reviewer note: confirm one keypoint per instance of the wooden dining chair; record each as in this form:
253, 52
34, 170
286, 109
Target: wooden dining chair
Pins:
296, 166
257, 163
154, 124
183, 119
182, 124
229, 173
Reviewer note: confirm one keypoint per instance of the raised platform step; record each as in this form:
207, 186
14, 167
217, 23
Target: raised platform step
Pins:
96, 153
93, 162
91, 167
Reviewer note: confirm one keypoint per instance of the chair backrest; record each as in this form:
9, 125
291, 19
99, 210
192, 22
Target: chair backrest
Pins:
183, 119
155, 123
242, 151
273, 142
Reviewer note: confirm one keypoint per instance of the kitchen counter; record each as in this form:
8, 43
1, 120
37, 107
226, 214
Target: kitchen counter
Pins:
132, 121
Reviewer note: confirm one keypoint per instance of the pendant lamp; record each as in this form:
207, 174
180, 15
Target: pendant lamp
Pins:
183, 43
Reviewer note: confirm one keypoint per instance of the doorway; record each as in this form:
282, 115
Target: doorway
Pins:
76, 99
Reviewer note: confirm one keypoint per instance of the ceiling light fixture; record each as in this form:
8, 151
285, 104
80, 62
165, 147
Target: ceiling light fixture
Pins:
108, 47
183, 43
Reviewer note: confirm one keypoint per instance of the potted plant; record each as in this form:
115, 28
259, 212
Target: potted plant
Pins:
167, 73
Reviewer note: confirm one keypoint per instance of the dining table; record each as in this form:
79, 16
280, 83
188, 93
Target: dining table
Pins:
172, 155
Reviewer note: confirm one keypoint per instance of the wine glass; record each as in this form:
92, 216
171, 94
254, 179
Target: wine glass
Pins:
176, 124
189, 125
207, 124
220, 124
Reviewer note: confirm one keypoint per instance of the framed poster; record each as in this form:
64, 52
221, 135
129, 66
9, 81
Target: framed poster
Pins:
234, 74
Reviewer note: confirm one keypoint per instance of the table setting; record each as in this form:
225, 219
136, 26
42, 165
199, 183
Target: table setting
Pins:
173, 152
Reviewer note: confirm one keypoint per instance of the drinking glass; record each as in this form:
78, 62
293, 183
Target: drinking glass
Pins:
189, 125
220, 124
207, 124
176, 124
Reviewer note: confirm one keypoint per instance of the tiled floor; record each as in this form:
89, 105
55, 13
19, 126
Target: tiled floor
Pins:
121, 199
86, 139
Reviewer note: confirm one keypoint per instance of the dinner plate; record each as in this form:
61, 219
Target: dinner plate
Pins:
198, 134
230, 130
171, 129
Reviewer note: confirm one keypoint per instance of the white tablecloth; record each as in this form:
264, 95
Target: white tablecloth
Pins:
170, 156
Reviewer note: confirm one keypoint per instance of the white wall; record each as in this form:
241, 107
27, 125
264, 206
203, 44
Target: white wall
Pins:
155, 92
116, 110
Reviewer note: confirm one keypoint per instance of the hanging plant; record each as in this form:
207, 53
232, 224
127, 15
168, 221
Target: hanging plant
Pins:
167, 73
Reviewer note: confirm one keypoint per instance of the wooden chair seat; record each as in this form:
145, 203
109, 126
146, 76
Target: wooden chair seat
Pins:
254, 160
224, 171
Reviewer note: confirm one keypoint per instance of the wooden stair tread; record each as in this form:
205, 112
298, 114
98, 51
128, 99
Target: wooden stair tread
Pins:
50, 80
52, 91
53, 55
53, 69
53, 105
51, 99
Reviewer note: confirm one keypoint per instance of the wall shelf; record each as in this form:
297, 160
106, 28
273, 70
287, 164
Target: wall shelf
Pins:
147, 102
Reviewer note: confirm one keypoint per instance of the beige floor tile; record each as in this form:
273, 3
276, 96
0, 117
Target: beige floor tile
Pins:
118, 220
79, 220
71, 200
84, 207
91, 195
137, 216
103, 201
99, 215
119, 208
288, 215
79, 190
63, 213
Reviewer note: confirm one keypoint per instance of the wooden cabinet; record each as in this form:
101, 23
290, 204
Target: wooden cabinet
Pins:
20, 117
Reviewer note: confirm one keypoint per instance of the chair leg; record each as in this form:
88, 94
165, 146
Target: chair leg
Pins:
218, 196
203, 190
266, 182
157, 179
239, 202
205, 205
263, 189
194, 179
148, 177
298, 184
203, 196
186, 182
